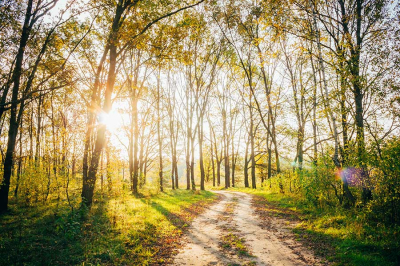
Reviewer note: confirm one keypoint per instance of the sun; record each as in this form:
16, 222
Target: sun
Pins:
111, 120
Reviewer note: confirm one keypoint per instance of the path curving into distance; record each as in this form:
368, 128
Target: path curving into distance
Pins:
229, 233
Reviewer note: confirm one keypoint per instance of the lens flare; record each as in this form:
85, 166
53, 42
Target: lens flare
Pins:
352, 175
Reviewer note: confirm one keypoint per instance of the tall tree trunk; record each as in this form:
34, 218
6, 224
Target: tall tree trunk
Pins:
176, 172
141, 161
108, 168
200, 136
38, 131
89, 183
212, 155
252, 155
269, 143
172, 146
93, 108
19, 170
102, 171
314, 117
233, 164
246, 164
159, 137
188, 139
135, 128
271, 116
192, 162
325, 87
348, 199
219, 172
13, 123
131, 155
213, 169
226, 149
188, 171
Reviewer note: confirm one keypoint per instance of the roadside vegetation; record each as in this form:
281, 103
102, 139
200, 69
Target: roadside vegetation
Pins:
117, 230
339, 235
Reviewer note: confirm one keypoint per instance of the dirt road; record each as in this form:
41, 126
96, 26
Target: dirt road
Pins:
229, 233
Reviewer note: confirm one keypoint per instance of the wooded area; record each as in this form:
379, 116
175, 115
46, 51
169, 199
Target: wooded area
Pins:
101, 99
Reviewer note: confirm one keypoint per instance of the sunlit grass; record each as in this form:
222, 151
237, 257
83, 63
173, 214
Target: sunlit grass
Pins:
118, 230
343, 236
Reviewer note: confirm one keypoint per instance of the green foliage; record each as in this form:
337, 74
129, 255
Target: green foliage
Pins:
385, 206
343, 236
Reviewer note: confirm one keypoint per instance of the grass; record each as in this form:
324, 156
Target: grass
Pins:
116, 231
342, 236
233, 241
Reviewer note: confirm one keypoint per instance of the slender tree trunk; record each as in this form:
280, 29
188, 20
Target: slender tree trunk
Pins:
159, 133
300, 146
271, 116
55, 151
348, 199
108, 168
176, 172
269, 149
188, 171
226, 150
142, 179
31, 129
38, 131
101, 171
95, 102
89, 183
73, 166
135, 121
13, 124
326, 96
314, 117
252, 156
172, 176
219, 172
19, 165
188, 139
172, 144
212, 155
131, 155
173, 159
246, 164
192, 162
200, 136
233, 164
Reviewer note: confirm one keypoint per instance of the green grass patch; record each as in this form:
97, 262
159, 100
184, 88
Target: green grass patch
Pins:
339, 235
123, 230
233, 241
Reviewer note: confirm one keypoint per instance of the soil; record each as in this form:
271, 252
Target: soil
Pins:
232, 232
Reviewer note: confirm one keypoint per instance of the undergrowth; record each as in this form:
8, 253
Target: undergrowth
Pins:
343, 236
122, 230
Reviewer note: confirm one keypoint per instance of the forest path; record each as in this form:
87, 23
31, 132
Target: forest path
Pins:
229, 233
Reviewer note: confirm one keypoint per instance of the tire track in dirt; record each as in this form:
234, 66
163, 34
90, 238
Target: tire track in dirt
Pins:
234, 217
203, 237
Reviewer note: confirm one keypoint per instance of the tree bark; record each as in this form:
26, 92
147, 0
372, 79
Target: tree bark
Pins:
89, 183
200, 136
13, 123
159, 135
246, 164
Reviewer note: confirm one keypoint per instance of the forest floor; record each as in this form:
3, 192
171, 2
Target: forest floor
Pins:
120, 229
239, 226
236, 231
337, 236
